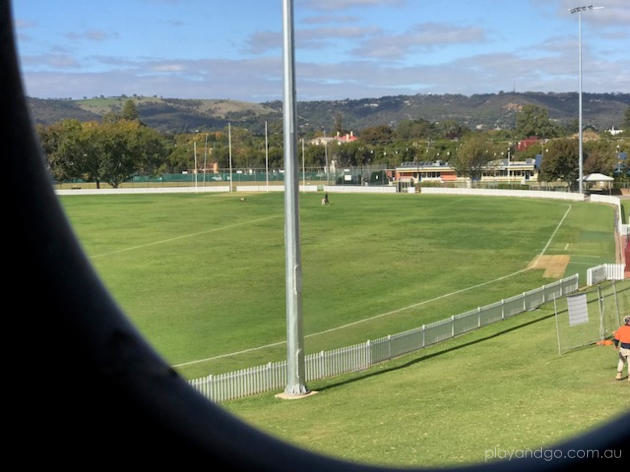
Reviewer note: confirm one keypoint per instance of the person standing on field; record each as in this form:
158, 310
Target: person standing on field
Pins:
622, 344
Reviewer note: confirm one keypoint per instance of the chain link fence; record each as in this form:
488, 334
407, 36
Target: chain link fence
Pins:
606, 306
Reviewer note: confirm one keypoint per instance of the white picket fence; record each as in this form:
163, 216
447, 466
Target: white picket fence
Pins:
577, 197
358, 189
602, 272
272, 376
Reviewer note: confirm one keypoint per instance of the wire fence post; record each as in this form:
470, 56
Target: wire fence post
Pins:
600, 302
424, 340
616, 303
555, 310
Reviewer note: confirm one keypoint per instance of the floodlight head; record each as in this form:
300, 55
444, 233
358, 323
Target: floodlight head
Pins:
584, 8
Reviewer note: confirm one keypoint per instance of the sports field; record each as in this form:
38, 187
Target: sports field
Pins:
497, 393
202, 275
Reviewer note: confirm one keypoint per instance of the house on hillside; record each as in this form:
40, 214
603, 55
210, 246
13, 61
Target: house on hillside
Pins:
615, 132
339, 139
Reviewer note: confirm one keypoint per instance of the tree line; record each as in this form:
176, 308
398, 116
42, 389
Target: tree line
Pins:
120, 146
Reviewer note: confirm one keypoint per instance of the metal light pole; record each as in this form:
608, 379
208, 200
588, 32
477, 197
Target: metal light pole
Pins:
326, 157
205, 160
579, 11
266, 157
303, 171
296, 371
230, 152
195, 171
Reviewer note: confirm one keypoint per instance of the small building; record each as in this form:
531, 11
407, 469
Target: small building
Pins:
599, 182
615, 132
500, 171
523, 144
437, 171
339, 139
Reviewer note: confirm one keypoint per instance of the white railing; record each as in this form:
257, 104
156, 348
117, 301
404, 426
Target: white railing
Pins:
272, 376
578, 197
273, 188
602, 272
143, 190
358, 189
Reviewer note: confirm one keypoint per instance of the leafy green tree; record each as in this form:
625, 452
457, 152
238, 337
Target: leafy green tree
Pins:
146, 146
129, 111
375, 135
180, 152
415, 129
601, 157
533, 120
50, 138
560, 161
451, 129
626, 122
109, 152
79, 153
473, 155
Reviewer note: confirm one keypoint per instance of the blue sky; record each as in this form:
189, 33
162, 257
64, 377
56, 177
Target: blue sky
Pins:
344, 48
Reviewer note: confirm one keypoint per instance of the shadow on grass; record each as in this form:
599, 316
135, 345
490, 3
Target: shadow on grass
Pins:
435, 354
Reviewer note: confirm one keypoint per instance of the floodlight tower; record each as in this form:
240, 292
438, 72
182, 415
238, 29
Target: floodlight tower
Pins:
296, 371
579, 11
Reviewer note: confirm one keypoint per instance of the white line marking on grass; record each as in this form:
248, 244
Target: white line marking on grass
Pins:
183, 236
382, 315
398, 310
220, 356
556, 230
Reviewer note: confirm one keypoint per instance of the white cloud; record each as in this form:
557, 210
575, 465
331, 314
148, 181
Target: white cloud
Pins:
323, 19
51, 61
91, 35
260, 79
422, 36
313, 38
343, 4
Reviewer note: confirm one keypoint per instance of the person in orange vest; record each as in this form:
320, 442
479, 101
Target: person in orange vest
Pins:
622, 344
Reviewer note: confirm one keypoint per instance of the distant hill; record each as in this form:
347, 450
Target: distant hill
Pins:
487, 111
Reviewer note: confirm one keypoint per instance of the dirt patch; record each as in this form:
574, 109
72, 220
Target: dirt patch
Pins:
554, 266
